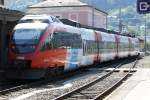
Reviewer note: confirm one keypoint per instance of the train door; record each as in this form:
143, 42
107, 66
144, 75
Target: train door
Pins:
88, 46
130, 46
98, 39
74, 43
117, 45
84, 46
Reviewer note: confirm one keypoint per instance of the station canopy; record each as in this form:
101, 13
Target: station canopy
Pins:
9, 15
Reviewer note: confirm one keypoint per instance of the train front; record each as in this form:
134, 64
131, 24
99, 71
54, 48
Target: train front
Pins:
23, 49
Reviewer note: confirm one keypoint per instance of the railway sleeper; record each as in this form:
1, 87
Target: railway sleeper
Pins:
84, 95
90, 92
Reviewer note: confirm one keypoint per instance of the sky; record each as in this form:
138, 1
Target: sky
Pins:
19, 4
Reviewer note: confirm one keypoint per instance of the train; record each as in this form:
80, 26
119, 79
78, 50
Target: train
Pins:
41, 45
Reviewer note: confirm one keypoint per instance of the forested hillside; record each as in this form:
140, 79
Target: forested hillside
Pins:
108, 5
125, 10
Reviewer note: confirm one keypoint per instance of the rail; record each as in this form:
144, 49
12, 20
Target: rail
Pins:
86, 86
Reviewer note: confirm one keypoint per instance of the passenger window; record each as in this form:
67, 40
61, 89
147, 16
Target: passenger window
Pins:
62, 40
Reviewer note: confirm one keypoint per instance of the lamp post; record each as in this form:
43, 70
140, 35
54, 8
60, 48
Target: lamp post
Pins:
120, 21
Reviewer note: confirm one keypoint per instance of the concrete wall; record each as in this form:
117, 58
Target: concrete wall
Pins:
80, 14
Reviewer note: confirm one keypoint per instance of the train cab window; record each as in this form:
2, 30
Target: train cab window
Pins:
62, 40
25, 40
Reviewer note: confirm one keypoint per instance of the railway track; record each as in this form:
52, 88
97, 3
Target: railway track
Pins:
38, 84
17, 87
90, 90
7, 86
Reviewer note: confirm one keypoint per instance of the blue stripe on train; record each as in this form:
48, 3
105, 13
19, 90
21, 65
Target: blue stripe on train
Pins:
73, 59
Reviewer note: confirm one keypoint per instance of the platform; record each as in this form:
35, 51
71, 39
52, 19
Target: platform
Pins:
136, 87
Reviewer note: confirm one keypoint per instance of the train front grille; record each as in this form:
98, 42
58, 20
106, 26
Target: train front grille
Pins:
20, 64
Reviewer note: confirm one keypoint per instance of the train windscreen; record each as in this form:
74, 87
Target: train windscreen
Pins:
25, 40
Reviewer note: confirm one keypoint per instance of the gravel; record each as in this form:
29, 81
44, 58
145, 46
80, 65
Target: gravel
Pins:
75, 82
101, 86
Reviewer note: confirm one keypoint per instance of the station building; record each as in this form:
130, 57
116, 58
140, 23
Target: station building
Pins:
8, 19
73, 10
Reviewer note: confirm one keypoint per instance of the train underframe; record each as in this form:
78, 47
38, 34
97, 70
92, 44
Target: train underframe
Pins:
23, 71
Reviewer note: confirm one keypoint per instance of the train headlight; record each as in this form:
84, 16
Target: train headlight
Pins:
12, 46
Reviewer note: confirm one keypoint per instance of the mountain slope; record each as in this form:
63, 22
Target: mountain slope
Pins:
110, 4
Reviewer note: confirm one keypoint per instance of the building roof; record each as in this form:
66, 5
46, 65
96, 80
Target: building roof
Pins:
62, 3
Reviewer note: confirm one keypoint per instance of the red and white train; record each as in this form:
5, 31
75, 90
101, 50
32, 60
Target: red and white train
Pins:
41, 44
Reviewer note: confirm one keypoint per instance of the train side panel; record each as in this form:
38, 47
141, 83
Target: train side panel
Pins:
123, 47
73, 59
88, 55
134, 46
108, 47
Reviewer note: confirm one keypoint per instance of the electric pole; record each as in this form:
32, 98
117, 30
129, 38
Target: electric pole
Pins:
145, 35
120, 21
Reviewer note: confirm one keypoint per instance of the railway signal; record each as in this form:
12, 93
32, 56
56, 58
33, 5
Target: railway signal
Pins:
143, 6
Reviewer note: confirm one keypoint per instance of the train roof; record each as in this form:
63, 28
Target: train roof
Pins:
77, 24
31, 26
39, 18
65, 22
